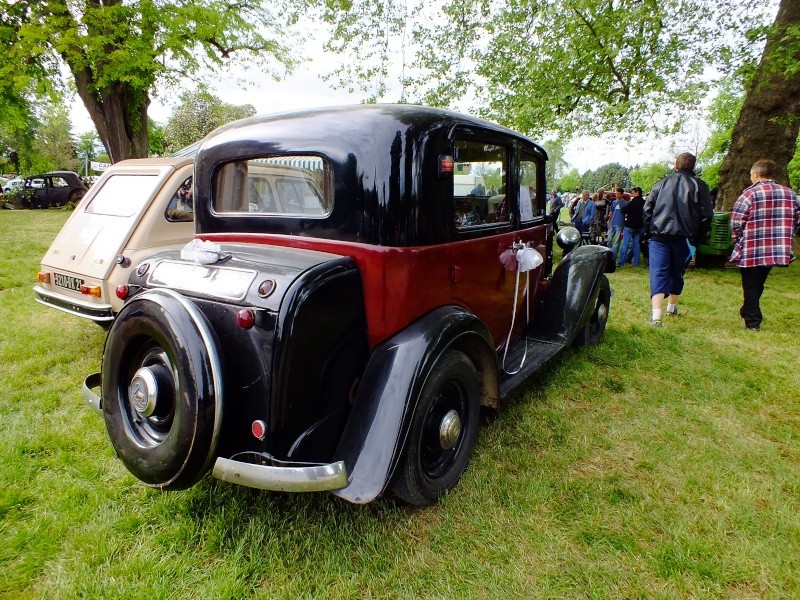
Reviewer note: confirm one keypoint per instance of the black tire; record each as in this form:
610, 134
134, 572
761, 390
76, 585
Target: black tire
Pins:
161, 390
75, 197
428, 468
592, 334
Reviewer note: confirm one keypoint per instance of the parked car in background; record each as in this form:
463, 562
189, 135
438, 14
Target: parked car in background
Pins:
48, 191
338, 325
137, 207
13, 184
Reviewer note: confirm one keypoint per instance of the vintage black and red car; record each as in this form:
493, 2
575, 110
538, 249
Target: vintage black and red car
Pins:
344, 310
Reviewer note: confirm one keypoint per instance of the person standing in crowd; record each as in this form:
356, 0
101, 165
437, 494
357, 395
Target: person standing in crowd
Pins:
583, 213
616, 222
763, 221
599, 227
556, 204
633, 215
601, 203
677, 209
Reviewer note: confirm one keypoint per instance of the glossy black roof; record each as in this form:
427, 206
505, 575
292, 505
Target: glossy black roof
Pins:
358, 118
384, 158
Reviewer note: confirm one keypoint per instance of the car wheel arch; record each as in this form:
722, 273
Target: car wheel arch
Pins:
377, 431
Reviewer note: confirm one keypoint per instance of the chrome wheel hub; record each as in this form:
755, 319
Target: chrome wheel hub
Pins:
143, 391
602, 313
449, 430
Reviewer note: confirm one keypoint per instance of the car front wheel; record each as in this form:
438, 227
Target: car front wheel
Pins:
443, 431
592, 333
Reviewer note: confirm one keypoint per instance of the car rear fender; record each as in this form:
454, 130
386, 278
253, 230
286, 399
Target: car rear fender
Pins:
571, 294
374, 436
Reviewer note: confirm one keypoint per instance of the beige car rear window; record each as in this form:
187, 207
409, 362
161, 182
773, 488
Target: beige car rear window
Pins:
123, 195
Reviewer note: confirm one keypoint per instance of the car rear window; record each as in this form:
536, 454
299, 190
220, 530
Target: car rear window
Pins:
275, 186
123, 195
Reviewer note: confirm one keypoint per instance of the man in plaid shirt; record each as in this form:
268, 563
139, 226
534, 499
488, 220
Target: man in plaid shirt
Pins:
763, 221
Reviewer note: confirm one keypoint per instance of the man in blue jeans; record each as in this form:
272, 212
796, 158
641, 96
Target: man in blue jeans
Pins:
633, 215
677, 210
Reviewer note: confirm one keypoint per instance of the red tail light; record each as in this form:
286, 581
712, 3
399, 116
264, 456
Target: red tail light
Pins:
259, 429
245, 318
446, 165
122, 291
43, 277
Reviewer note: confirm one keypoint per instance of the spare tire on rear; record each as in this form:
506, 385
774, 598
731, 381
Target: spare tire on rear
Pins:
161, 390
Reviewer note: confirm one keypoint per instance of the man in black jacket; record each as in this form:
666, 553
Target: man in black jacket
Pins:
677, 210
633, 215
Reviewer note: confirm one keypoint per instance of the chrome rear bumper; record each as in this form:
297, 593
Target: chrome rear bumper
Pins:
305, 478
277, 477
93, 400
101, 313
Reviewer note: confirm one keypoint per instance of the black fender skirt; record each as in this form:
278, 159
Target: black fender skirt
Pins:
571, 294
374, 436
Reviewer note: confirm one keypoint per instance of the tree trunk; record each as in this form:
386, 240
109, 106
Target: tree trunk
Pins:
769, 122
119, 114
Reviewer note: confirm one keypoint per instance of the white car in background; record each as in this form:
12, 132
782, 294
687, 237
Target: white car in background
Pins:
13, 184
137, 207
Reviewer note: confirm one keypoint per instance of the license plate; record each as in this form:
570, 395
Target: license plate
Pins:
67, 281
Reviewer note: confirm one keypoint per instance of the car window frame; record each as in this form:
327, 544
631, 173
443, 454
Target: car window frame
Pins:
472, 133
530, 155
326, 188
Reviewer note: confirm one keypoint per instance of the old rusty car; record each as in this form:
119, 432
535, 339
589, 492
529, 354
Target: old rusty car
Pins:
341, 330
49, 190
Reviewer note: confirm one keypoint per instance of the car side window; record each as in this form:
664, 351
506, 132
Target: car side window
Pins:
480, 184
181, 205
530, 205
58, 182
275, 186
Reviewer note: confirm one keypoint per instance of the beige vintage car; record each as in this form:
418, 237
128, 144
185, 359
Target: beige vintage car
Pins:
137, 207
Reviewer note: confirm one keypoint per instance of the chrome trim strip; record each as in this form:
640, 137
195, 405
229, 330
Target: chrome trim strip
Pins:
101, 313
92, 399
317, 478
216, 364
211, 280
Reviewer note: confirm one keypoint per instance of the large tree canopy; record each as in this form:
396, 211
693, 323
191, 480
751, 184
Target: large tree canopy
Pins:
591, 66
585, 66
119, 51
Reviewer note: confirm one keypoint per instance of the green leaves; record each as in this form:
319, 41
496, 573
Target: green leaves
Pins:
575, 66
120, 51
197, 115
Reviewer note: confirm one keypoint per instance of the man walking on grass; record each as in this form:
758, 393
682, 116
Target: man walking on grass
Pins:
678, 209
763, 221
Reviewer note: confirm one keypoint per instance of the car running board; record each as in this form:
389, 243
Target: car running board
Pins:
536, 353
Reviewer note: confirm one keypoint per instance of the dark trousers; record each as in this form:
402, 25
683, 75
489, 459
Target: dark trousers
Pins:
753, 279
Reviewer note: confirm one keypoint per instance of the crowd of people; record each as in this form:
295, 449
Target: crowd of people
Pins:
667, 226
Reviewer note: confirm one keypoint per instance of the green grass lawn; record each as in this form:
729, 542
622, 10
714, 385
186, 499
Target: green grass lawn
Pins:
664, 463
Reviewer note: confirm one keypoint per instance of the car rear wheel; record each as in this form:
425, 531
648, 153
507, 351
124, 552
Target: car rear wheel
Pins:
443, 432
162, 390
592, 334
75, 196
